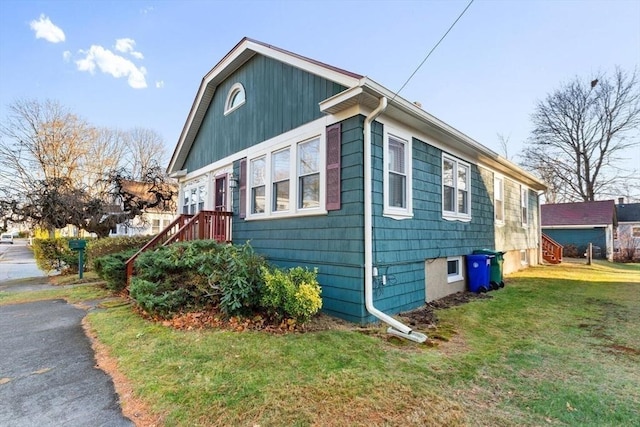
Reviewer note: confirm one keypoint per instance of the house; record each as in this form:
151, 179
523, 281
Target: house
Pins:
152, 221
627, 235
328, 169
575, 225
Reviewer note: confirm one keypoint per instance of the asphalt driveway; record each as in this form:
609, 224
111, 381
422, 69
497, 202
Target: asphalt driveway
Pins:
47, 370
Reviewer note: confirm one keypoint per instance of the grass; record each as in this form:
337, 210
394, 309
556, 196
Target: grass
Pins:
558, 345
71, 289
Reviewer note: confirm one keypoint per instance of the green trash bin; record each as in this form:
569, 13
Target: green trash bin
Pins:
497, 260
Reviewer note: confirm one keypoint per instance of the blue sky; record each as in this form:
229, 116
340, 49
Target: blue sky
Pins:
125, 64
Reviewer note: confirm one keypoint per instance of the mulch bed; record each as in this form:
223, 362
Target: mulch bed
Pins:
421, 319
425, 316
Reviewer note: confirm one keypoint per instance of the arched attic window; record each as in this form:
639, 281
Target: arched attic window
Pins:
235, 98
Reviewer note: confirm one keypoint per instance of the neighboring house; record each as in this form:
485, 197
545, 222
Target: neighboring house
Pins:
627, 235
581, 223
151, 222
328, 169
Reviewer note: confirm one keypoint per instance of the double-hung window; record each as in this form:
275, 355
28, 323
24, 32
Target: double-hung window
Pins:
397, 177
280, 164
397, 174
498, 199
456, 186
309, 174
524, 204
286, 179
257, 180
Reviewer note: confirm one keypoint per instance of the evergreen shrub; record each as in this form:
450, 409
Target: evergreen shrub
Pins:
112, 269
193, 275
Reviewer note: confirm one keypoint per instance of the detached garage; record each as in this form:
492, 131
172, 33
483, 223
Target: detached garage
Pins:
579, 224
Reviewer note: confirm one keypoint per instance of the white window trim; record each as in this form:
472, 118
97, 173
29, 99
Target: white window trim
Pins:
237, 87
496, 179
459, 275
451, 215
198, 184
394, 211
524, 257
524, 203
272, 181
292, 143
250, 185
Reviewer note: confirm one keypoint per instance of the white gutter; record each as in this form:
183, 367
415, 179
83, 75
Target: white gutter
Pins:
396, 327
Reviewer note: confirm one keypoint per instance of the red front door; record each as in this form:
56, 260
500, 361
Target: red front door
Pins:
220, 202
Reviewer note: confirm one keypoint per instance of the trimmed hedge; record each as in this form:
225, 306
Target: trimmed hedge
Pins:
110, 245
54, 254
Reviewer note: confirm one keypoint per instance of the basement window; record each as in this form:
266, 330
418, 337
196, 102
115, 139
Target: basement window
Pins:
454, 269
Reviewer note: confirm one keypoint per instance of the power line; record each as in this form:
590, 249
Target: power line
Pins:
432, 49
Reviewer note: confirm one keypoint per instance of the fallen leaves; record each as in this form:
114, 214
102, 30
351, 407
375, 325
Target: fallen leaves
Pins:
214, 319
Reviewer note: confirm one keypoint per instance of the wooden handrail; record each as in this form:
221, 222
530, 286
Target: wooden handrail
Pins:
215, 225
551, 250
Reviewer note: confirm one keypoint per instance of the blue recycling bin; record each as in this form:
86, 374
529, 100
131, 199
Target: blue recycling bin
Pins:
479, 272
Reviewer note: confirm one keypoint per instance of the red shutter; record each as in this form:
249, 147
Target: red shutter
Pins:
242, 184
334, 139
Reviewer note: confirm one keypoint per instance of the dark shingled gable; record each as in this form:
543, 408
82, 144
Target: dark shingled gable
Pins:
629, 212
579, 213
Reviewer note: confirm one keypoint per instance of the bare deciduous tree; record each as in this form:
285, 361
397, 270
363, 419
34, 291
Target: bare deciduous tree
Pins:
145, 149
581, 132
42, 141
504, 144
58, 170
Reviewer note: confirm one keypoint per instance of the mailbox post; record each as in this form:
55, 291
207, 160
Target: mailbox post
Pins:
79, 245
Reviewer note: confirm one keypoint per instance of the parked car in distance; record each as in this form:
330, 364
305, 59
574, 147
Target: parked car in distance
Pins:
6, 238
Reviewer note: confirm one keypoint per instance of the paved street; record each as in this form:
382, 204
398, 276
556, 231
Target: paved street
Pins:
47, 366
16, 262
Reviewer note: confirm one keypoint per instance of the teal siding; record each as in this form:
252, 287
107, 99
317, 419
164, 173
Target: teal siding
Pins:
332, 243
581, 239
402, 246
279, 98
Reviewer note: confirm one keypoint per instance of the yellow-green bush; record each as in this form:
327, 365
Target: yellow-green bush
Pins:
293, 293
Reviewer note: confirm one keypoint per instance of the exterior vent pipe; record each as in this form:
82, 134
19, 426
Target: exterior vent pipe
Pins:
395, 327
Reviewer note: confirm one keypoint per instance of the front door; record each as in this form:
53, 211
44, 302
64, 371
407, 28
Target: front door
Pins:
220, 202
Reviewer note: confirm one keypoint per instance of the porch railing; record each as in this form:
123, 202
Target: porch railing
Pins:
214, 225
551, 250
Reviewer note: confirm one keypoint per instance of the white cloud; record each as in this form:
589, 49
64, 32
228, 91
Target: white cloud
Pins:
160, 84
66, 55
115, 65
45, 29
127, 46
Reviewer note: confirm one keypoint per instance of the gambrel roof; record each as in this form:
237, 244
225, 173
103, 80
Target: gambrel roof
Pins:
361, 91
592, 214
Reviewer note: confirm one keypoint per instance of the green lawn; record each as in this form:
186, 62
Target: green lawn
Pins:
559, 345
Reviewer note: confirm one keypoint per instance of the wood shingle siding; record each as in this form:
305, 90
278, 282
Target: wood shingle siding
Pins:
401, 247
332, 243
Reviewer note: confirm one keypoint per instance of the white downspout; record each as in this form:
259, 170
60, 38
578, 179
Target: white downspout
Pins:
539, 231
396, 327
